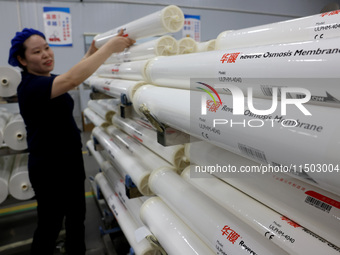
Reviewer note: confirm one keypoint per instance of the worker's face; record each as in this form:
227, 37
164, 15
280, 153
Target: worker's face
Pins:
39, 57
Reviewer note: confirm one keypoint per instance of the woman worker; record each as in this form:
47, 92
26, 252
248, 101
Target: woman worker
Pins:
56, 168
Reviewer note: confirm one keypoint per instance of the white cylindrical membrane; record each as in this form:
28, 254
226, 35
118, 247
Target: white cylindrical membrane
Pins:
101, 110
218, 228
129, 70
110, 104
172, 233
20, 186
163, 46
10, 78
302, 142
287, 234
124, 219
206, 46
151, 160
96, 119
96, 154
315, 27
15, 133
168, 20
304, 65
310, 206
6, 165
187, 45
147, 136
133, 205
123, 159
4, 118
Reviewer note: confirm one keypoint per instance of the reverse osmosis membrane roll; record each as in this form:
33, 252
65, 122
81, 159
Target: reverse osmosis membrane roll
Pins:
10, 78
110, 104
187, 45
295, 240
6, 165
15, 133
122, 158
96, 154
133, 205
300, 143
315, 27
96, 119
100, 110
19, 184
152, 160
304, 65
147, 135
310, 206
125, 221
219, 229
172, 233
206, 46
163, 46
129, 70
4, 118
168, 20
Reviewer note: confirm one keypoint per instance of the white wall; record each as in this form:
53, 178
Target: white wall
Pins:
95, 16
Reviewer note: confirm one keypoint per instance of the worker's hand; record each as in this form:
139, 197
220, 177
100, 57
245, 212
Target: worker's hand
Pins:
120, 42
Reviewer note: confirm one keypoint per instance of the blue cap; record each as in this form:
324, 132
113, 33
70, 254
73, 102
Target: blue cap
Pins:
18, 40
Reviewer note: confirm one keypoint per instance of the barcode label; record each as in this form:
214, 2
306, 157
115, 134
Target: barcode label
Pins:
268, 91
252, 152
318, 204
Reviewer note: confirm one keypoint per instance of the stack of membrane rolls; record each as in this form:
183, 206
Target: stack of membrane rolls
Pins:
257, 183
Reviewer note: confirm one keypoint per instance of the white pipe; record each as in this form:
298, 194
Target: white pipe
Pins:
123, 159
123, 217
129, 70
110, 104
284, 194
168, 20
19, 184
163, 46
187, 45
300, 141
95, 118
206, 46
133, 205
100, 110
96, 154
6, 166
147, 136
287, 234
218, 228
15, 133
304, 65
10, 78
172, 233
315, 27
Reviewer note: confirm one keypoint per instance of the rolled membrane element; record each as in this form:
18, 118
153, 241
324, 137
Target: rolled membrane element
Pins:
123, 159
117, 182
100, 110
15, 133
129, 70
173, 234
123, 217
10, 78
122, 89
147, 136
312, 207
206, 46
4, 118
304, 65
168, 20
6, 166
96, 154
248, 134
96, 119
187, 45
314, 27
19, 184
217, 227
110, 104
297, 239
163, 46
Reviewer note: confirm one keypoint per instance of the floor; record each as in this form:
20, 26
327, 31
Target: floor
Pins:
17, 227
